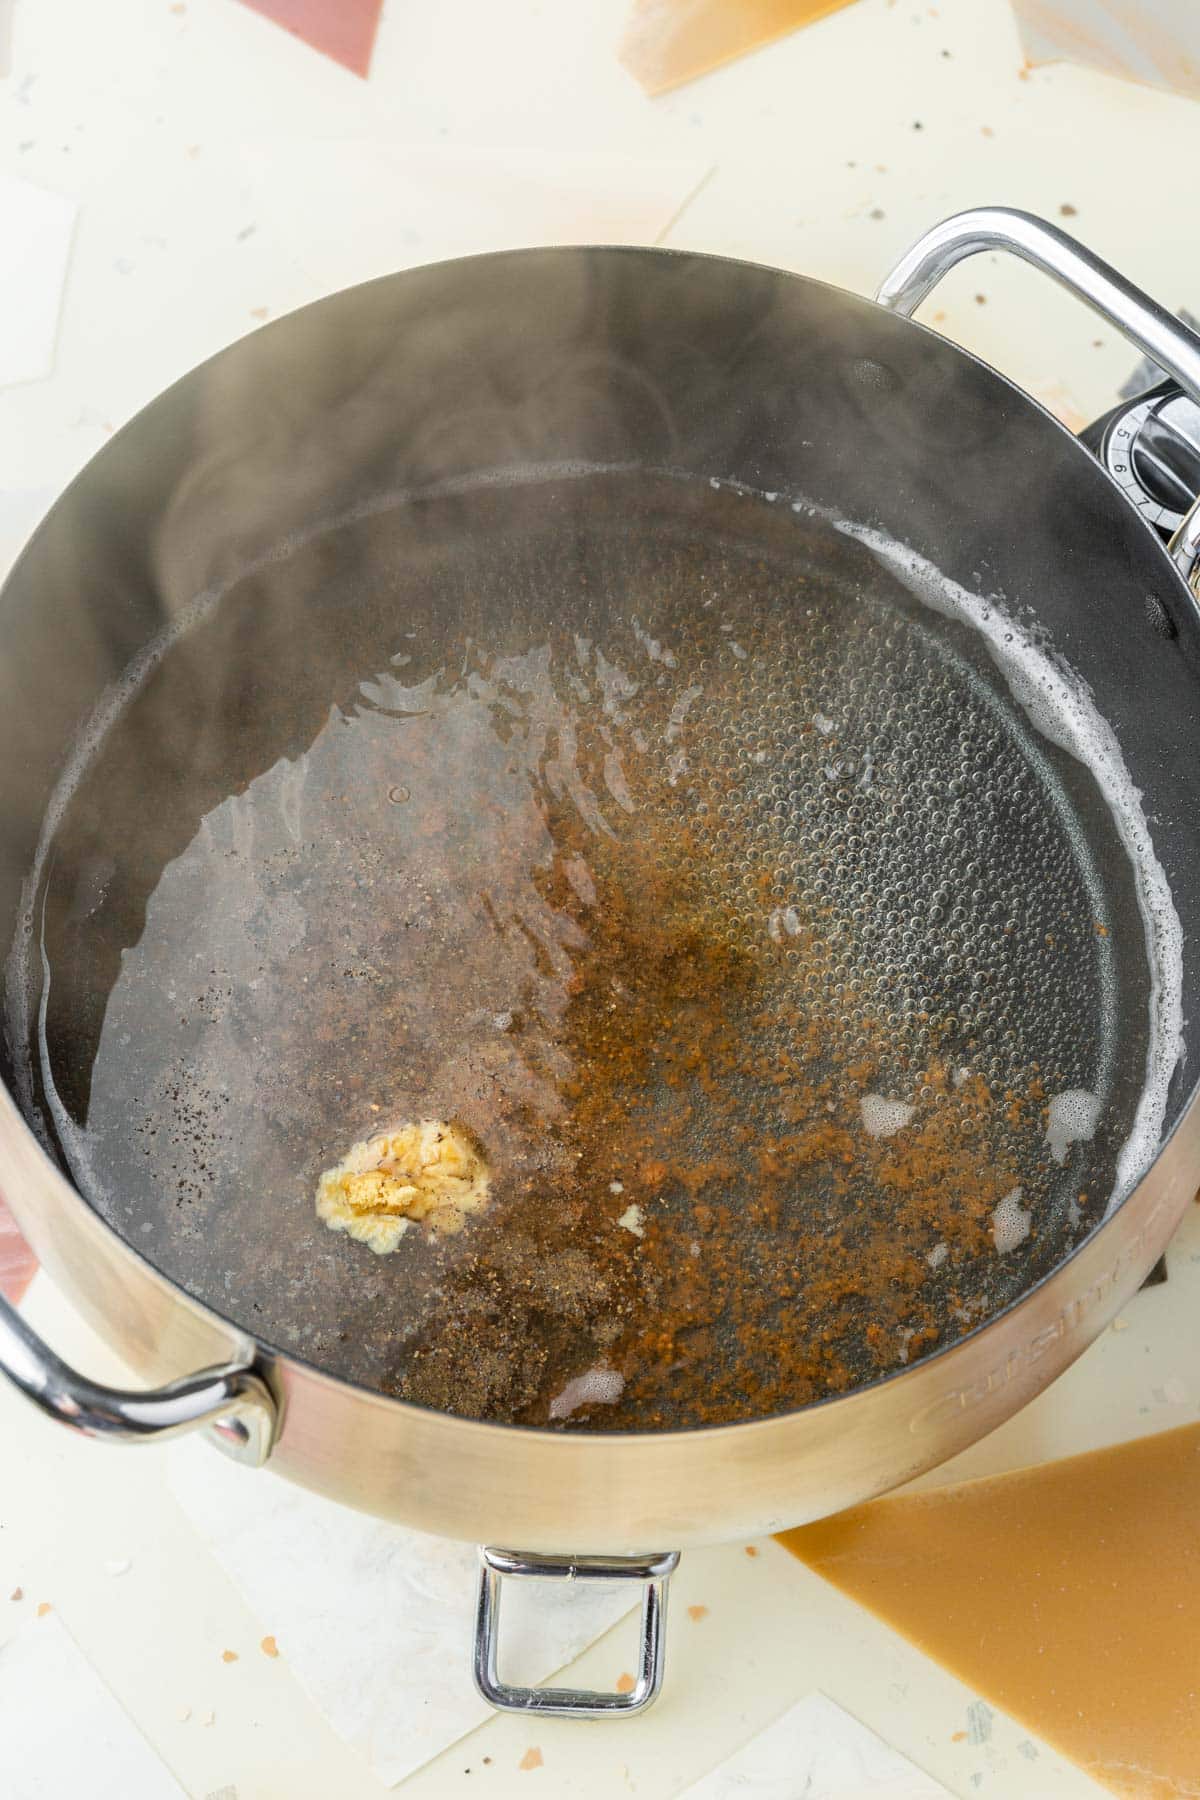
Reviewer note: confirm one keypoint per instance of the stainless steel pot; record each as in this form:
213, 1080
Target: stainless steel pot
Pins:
616, 1495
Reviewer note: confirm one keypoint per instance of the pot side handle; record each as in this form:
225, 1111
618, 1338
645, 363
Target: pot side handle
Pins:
1164, 338
232, 1399
650, 1574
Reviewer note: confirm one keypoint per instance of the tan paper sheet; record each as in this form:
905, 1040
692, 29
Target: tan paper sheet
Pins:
1068, 1595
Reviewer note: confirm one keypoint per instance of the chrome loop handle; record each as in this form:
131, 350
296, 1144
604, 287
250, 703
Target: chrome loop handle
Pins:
650, 1572
1164, 338
232, 1399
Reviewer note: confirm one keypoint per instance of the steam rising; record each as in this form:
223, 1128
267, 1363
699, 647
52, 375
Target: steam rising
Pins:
1057, 703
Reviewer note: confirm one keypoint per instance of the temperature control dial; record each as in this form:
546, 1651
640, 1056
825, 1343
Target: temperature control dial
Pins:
1151, 448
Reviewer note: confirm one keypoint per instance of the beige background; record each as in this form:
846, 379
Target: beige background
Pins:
224, 172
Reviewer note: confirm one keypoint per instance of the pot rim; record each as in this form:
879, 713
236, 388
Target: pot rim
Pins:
12, 1118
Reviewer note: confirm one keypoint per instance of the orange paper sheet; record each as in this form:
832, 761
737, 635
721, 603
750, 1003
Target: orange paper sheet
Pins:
668, 42
1068, 1595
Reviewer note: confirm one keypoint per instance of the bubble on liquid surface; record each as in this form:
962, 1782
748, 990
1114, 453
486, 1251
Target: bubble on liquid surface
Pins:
1071, 1118
595, 1387
883, 1117
1011, 1222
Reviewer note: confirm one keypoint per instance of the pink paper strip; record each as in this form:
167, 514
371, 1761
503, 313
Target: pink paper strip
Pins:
17, 1262
342, 29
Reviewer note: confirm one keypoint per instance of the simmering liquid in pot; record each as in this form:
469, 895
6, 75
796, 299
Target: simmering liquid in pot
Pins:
665, 844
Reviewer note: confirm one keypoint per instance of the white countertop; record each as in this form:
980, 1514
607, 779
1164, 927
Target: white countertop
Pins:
223, 173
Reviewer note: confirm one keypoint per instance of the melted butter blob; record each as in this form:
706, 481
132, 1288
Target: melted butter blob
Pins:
428, 1173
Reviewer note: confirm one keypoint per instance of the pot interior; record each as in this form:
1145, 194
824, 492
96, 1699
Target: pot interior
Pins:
730, 902
792, 987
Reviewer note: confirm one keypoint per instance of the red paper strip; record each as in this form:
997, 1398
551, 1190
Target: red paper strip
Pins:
342, 29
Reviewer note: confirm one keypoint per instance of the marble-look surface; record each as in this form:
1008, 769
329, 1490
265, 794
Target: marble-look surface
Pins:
816, 1751
375, 1621
63, 1732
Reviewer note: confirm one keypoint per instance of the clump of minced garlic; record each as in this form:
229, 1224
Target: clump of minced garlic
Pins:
429, 1173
